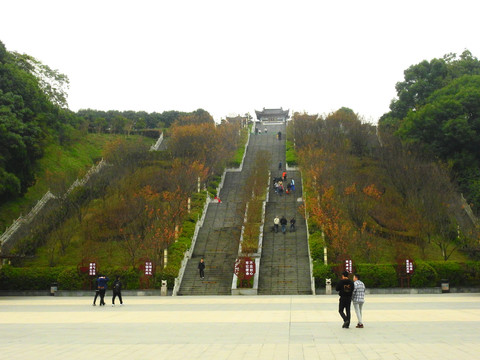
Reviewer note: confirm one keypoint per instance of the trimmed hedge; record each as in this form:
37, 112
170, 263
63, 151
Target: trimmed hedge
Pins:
69, 278
377, 276
12, 278
291, 154
426, 274
316, 246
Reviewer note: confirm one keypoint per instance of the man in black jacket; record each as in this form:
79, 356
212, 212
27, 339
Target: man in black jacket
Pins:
284, 223
117, 291
201, 268
345, 289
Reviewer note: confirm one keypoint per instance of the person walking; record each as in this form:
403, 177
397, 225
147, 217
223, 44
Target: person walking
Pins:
292, 224
117, 290
292, 185
276, 223
102, 287
201, 268
345, 289
283, 222
280, 165
358, 298
284, 176
97, 293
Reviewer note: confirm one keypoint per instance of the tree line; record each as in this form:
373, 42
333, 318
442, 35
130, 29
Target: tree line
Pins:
437, 109
34, 113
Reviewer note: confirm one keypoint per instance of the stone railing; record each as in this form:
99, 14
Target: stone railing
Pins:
93, 170
312, 278
12, 229
188, 253
156, 146
468, 210
22, 220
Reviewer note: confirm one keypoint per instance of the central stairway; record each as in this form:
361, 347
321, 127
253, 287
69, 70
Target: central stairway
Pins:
285, 262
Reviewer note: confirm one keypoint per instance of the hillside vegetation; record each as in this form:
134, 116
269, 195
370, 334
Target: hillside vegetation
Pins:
377, 202
437, 109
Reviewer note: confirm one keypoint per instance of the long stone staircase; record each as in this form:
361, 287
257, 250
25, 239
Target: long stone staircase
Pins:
284, 264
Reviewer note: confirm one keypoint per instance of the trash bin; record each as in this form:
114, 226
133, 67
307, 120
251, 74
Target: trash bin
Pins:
445, 286
53, 289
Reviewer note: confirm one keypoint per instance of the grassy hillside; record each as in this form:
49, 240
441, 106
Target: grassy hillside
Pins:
67, 163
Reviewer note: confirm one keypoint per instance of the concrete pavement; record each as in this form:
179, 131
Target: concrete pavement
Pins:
444, 326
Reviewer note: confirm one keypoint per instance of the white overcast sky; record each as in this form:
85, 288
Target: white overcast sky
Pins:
231, 57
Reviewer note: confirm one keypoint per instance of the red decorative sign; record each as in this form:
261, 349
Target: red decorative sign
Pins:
148, 268
409, 266
249, 268
245, 267
348, 266
92, 269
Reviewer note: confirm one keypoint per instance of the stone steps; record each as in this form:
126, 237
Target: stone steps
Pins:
285, 264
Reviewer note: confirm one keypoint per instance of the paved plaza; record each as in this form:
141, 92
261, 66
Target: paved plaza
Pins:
443, 326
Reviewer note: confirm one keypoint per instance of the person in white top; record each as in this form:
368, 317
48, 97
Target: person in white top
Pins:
276, 222
358, 298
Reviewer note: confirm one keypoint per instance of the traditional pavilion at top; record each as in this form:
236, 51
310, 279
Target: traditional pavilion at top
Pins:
272, 115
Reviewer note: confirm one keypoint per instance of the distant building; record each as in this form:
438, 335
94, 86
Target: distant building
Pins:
272, 115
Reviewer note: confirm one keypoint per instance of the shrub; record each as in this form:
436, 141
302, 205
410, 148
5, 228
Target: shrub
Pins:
377, 275
453, 271
12, 278
316, 246
71, 279
169, 274
424, 276
291, 155
322, 272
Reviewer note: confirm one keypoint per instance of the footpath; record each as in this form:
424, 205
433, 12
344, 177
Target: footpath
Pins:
284, 264
443, 326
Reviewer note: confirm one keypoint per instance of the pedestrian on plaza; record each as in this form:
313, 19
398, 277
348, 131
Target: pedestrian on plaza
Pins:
279, 135
97, 293
292, 224
292, 185
345, 289
280, 165
284, 176
358, 298
102, 281
276, 223
201, 268
117, 290
265, 130
289, 188
283, 222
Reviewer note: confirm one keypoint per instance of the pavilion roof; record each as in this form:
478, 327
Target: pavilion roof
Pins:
272, 112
